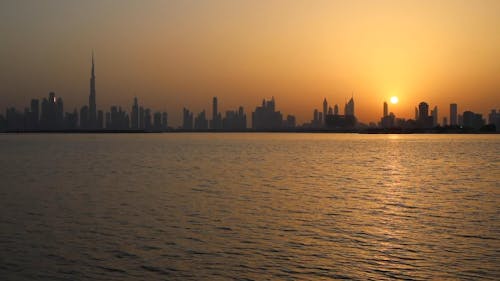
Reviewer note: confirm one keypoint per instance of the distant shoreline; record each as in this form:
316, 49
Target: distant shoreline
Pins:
320, 131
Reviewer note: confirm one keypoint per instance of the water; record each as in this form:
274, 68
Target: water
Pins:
249, 206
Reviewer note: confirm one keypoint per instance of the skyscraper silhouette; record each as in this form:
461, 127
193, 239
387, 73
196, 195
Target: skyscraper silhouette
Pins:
325, 108
216, 116
423, 111
92, 98
135, 115
453, 114
349, 108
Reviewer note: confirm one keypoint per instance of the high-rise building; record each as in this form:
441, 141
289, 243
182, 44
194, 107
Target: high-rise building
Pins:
135, 115
148, 123
157, 121
142, 118
84, 117
34, 113
424, 121
325, 108
387, 120
266, 118
346, 121
290, 121
200, 121
92, 98
315, 122
349, 108
473, 120
187, 119
164, 121
453, 114
235, 120
494, 119
100, 119
434, 114
423, 110
52, 115
216, 123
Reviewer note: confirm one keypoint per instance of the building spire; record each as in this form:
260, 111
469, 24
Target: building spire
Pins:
93, 75
92, 122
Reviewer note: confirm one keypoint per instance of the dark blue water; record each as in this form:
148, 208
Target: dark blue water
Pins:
249, 207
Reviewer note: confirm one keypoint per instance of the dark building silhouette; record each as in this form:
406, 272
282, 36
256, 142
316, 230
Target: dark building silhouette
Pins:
315, 122
342, 122
117, 119
187, 119
71, 120
142, 118
472, 120
52, 115
157, 122
434, 115
34, 117
494, 119
134, 117
290, 122
424, 121
349, 108
84, 117
216, 122
325, 112
100, 119
148, 121
453, 114
423, 110
14, 120
3, 123
388, 120
265, 117
164, 121
235, 120
92, 121
201, 122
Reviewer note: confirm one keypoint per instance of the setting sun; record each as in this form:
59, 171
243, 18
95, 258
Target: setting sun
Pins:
394, 100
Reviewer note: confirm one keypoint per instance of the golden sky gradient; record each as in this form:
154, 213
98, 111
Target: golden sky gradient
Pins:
181, 53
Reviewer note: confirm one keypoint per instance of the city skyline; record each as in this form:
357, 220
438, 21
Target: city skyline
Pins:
51, 116
90, 117
178, 54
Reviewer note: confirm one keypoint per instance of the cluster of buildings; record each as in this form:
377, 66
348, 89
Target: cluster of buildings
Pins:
49, 115
264, 118
330, 118
234, 120
424, 119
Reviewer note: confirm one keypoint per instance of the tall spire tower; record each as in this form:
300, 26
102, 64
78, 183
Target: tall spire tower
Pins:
92, 103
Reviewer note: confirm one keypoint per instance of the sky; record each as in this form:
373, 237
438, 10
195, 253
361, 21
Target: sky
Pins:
174, 54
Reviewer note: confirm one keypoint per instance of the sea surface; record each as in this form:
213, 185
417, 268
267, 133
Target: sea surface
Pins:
249, 206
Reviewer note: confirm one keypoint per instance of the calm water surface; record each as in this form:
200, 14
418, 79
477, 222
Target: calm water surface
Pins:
249, 207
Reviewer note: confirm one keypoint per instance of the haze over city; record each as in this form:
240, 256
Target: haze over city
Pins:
249, 140
175, 54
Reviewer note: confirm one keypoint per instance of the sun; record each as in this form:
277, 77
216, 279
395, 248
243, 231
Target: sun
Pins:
394, 100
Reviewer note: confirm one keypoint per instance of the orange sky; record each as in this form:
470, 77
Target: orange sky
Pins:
181, 53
